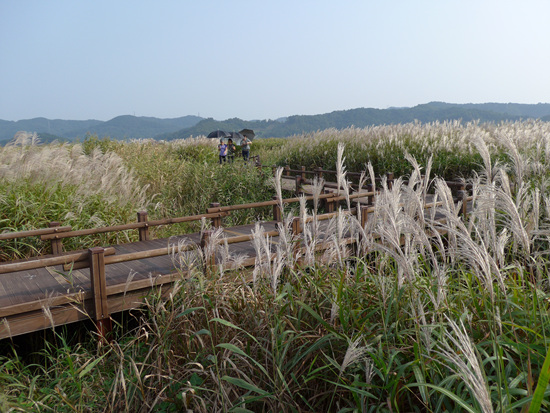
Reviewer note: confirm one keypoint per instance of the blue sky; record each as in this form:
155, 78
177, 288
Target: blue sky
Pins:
266, 59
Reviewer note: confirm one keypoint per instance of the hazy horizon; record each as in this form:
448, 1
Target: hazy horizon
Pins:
281, 117
266, 60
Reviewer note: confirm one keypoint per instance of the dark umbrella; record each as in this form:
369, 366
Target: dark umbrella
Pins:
249, 133
236, 136
218, 134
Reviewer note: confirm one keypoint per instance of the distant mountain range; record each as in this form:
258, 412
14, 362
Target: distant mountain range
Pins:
132, 127
121, 127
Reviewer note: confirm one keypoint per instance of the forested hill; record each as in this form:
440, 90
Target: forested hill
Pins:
121, 127
132, 127
363, 117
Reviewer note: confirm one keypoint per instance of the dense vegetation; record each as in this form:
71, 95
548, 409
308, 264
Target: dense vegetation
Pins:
120, 127
456, 322
104, 182
366, 117
126, 127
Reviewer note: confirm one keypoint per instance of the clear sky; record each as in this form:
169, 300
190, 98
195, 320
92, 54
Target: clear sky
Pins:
263, 59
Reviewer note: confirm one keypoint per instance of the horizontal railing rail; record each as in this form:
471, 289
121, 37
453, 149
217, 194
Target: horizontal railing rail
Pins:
33, 233
56, 233
334, 197
137, 225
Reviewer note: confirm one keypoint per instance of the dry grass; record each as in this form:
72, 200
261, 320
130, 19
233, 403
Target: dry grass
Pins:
67, 165
428, 313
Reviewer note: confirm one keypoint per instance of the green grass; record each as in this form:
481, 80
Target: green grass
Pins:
459, 322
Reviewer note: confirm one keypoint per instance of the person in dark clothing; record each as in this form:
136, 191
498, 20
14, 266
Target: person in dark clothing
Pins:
245, 147
231, 148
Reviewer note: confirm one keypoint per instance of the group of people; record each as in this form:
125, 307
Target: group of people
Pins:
227, 150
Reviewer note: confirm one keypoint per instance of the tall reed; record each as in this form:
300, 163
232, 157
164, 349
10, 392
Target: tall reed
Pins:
432, 311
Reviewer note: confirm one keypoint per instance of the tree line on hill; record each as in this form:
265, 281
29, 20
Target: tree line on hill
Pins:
132, 127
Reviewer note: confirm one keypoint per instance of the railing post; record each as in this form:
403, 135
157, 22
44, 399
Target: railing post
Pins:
303, 172
370, 198
144, 231
296, 231
57, 244
287, 170
99, 291
319, 173
463, 196
208, 253
296, 227
298, 184
389, 179
363, 216
216, 221
456, 189
329, 204
277, 213
364, 210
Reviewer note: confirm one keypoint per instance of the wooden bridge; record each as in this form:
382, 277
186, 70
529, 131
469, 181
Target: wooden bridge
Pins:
69, 286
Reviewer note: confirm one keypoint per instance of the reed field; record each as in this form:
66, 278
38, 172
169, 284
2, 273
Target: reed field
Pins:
422, 315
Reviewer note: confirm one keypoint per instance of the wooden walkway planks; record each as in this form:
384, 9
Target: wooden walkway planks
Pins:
24, 295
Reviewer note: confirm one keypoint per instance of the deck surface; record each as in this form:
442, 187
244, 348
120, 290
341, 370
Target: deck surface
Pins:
29, 292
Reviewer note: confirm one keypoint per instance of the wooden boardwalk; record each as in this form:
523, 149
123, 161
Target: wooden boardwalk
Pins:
38, 298
68, 287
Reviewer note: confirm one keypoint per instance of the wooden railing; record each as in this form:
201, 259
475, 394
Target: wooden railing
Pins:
56, 233
98, 258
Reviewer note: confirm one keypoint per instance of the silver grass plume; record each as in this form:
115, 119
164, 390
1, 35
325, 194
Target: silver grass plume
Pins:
417, 181
287, 241
23, 138
472, 249
450, 211
384, 283
340, 168
372, 176
512, 217
129, 280
441, 281
278, 188
337, 229
317, 190
183, 257
47, 308
308, 238
343, 184
6, 325
459, 351
225, 256
335, 308
391, 225
212, 246
369, 373
483, 150
420, 317
483, 217
277, 268
258, 243
505, 139
354, 354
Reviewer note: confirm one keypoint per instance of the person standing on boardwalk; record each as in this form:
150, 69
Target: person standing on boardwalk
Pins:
245, 147
231, 148
222, 148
